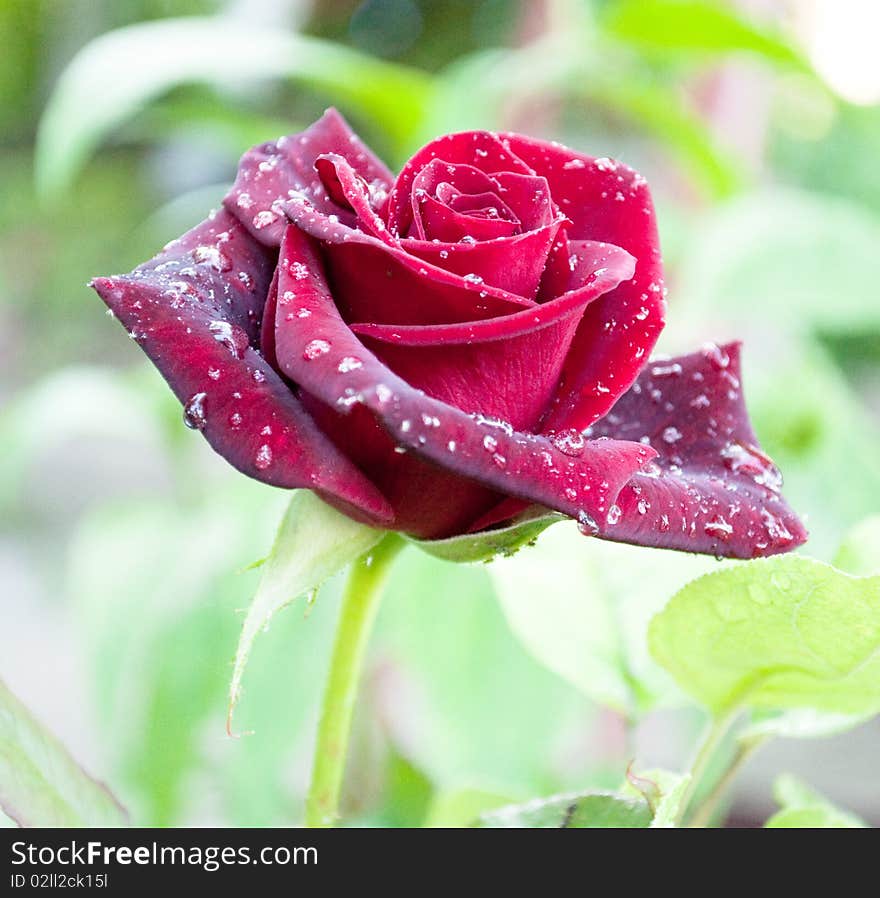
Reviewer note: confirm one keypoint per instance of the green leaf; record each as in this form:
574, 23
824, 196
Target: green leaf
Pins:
783, 632
485, 546
314, 541
120, 73
40, 783
590, 810
575, 606
860, 552
802, 807
696, 25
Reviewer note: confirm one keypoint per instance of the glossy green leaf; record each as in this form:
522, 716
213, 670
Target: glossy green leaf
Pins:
575, 606
783, 632
591, 810
128, 68
314, 541
803, 808
40, 783
700, 25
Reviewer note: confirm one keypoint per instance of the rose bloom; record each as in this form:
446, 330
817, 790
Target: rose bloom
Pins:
453, 349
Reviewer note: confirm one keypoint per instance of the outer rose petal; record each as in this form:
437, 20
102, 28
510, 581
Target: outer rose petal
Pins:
605, 200
711, 489
322, 355
270, 173
195, 310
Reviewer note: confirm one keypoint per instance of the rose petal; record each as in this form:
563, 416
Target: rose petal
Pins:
323, 356
271, 173
349, 190
195, 310
464, 364
448, 225
514, 264
711, 488
384, 283
480, 149
442, 181
607, 201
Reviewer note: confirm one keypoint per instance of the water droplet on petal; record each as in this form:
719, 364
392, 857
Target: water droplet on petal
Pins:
194, 415
315, 349
569, 442
263, 458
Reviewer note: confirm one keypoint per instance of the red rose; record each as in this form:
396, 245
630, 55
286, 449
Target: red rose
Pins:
435, 353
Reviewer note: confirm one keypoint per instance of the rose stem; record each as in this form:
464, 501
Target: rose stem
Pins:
360, 602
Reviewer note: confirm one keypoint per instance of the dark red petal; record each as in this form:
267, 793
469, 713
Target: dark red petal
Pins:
323, 356
505, 367
607, 201
449, 225
267, 327
349, 190
374, 281
711, 488
514, 264
195, 310
271, 173
529, 196
480, 149
442, 180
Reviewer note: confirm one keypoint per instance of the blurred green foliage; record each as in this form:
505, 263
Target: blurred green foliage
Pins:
470, 703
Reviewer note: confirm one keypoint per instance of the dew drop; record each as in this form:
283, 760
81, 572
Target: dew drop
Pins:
349, 363
315, 349
569, 442
587, 524
194, 415
719, 527
263, 458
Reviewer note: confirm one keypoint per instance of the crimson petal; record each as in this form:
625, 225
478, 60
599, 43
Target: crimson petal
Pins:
463, 364
382, 282
271, 173
323, 356
711, 488
195, 310
480, 149
607, 201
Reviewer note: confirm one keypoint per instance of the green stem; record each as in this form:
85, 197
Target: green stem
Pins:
712, 738
360, 602
704, 813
